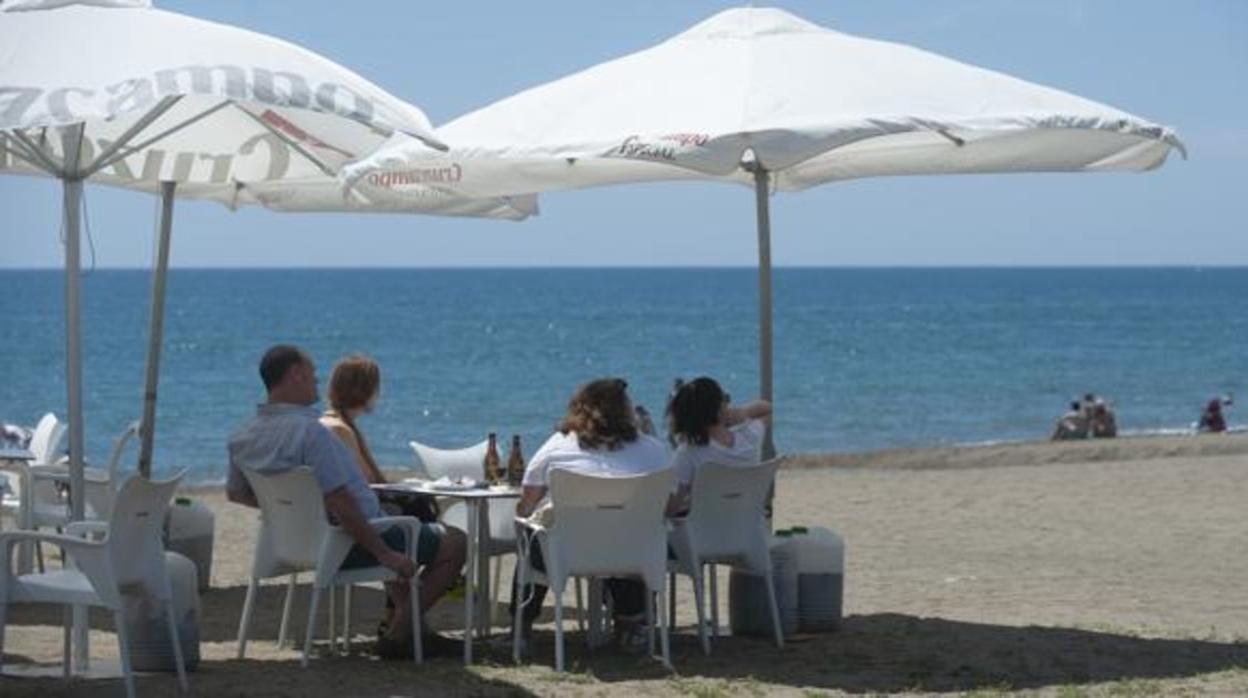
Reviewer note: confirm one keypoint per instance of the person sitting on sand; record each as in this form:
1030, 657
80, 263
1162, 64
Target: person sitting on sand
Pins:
1211, 418
1072, 425
707, 429
598, 436
354, 388
1102, 423
285, 433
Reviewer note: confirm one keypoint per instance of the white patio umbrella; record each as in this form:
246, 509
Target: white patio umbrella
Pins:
764, 98
119, 93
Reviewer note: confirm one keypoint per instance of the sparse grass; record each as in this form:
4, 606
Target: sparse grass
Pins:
1135, 687
700, 688
991, 691
572, 677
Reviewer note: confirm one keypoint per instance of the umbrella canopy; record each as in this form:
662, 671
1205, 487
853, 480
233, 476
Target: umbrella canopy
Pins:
762, 97
120, 93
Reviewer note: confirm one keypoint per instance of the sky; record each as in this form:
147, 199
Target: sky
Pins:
1184, 65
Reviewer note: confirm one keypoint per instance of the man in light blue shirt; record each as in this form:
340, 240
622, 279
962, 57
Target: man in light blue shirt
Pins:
286, 433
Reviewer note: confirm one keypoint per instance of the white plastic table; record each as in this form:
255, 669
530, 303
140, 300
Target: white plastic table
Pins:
476, 595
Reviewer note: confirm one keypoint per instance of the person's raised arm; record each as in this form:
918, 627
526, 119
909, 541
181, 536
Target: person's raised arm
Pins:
350, 519
758, 409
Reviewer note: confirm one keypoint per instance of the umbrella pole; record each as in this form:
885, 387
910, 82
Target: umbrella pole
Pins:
147, 432
71, 184
763, 206
72, 188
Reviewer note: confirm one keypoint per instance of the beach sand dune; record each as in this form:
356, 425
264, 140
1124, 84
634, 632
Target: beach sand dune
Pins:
1093, 568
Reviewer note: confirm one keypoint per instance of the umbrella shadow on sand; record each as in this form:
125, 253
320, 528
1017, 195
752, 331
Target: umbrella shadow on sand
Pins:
881, 652
888, 652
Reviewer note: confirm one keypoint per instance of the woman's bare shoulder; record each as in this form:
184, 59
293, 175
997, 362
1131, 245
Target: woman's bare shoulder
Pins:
339, 427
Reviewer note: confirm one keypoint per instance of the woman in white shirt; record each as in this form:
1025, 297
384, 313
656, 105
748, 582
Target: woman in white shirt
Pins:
598, 436
705, 428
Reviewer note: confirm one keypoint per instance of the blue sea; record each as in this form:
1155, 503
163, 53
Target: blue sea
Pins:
865, 358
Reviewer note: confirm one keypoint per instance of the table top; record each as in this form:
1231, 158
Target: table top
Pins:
427, 487
7, 453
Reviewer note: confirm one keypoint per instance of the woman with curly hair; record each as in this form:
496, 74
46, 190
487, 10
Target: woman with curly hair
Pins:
598, 436
705, 428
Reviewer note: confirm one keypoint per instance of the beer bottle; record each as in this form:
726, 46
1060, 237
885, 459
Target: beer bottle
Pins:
493, 465
515, 463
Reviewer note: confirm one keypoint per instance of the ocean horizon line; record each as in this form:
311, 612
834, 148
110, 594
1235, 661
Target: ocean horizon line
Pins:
670, 267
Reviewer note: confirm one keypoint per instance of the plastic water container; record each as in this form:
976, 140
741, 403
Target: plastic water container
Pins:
749, 612
189, 531
820, 579
150, 649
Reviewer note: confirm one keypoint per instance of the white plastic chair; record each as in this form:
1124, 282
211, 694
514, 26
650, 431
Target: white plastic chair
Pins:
296, 534
36, 503
130, 556
45, 508
726, 524
603, 527
467, 463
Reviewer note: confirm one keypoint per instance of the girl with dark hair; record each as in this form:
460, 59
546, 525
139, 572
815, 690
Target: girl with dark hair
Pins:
597, 436
705, 428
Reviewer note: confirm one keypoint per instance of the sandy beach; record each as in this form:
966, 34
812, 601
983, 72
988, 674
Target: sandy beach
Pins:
1112, 567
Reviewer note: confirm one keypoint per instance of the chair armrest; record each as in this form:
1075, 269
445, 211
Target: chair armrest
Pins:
410, 523
83, 529
9, 539
526, 522
52, 473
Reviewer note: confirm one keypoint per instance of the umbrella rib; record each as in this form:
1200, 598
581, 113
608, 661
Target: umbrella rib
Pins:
146, 120
174, 129
19, 151
293, 145
34, 151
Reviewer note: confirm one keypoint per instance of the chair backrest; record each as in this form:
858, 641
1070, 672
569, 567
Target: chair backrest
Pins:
100, 495
727, 507
135, 547
292, 514
119, 446
450, 463
45, 443
610, 525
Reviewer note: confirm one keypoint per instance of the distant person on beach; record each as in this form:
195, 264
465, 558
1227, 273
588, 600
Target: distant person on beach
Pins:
285, 433
706, 428
1211, 418
1102, 422
1072, 425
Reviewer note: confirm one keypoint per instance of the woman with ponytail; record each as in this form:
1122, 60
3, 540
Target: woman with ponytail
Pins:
354, 388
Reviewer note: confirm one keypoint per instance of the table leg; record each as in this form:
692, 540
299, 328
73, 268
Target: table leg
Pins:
470, 597
483, 570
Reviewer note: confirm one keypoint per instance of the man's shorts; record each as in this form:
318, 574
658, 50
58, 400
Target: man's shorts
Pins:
396, 539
